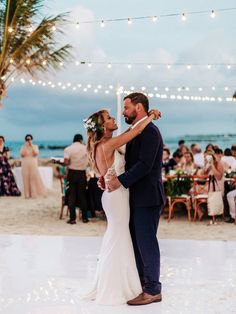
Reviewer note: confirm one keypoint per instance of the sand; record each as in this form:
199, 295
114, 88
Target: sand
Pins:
41, 217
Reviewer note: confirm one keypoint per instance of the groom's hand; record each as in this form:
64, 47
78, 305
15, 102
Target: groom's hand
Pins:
113, 183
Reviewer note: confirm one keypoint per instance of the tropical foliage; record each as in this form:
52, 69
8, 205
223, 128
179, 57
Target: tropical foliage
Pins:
29, 42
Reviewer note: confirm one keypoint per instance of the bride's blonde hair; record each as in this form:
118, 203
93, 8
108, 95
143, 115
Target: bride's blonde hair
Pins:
95, 132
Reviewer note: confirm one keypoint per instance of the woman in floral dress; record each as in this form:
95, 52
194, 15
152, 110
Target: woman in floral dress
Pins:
8, 185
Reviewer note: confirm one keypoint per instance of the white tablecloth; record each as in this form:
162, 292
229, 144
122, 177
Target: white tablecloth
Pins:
45, 172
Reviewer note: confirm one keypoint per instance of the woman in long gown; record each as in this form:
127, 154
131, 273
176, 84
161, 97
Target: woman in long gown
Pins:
33, 184
8, 185
116, 280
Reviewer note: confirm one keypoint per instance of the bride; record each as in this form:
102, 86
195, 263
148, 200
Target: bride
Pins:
116, 280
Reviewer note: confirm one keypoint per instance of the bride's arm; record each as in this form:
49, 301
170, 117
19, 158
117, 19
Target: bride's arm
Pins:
127, 136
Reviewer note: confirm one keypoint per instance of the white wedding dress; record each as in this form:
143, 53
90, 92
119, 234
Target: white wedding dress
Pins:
116, 279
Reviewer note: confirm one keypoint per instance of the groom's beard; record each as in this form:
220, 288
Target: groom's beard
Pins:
130, 119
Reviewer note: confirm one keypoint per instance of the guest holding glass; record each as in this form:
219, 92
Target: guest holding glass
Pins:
8, 185
33, 184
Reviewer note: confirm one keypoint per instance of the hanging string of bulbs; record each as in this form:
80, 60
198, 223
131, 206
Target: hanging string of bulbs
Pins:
154, 18
158, 92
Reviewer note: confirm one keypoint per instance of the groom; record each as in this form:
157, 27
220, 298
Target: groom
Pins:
143, 178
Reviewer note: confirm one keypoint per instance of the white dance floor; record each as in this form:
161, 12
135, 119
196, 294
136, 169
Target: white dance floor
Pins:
45, 275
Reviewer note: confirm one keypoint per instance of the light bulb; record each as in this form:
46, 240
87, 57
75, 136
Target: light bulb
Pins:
77, 25
102, 24
183, 17
168, 66
228, 66
129, 66
208, 66
154, 19
129, 21
213, 14
10, 29
189, 66
109, 65
149, 66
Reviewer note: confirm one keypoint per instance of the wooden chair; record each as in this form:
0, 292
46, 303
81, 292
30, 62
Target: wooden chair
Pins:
199, 192
181, 198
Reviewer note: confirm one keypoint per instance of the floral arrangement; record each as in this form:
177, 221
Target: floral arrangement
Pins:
91, 125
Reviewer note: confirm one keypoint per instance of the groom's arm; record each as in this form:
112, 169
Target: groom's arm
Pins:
150, 142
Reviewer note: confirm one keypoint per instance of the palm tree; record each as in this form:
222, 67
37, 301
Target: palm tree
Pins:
29, 44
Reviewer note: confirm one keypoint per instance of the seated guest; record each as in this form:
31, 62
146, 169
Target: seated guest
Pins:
229, 159
176, 159
198, 156
188, 164
182, 147
210, 147
167, 162
231, 197
33, 184
219, 155
8, 185
233, 150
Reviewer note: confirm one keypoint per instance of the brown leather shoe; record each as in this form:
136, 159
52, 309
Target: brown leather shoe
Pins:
145, 298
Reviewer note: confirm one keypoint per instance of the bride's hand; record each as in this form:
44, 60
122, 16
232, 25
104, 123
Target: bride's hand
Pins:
156, 113
101, 183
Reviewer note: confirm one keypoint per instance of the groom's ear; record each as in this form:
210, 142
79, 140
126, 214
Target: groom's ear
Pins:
139, 107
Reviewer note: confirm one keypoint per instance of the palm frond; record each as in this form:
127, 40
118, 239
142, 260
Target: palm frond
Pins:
28, 44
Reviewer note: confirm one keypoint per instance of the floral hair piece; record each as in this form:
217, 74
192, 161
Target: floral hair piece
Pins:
91, 125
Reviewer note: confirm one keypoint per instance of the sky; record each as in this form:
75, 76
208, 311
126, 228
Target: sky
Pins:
58, 114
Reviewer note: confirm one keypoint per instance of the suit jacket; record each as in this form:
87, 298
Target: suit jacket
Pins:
143, 168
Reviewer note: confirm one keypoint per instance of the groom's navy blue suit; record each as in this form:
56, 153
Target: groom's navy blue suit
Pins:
143, 178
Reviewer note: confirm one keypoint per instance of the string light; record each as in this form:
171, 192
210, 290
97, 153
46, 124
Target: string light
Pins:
28, 61
10, 29
150, 65
132, 88
154, 18
102, 24
77, 25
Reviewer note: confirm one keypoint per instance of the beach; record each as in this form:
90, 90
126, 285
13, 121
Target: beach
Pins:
41, 217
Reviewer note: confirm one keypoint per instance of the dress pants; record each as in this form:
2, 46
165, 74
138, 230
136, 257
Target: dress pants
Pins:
77, 192
143, 228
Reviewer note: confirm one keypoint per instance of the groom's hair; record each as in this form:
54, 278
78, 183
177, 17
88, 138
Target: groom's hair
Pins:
139, 98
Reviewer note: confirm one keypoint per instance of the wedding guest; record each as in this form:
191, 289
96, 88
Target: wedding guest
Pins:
210, 147
188, 164
8, 185
182, 147
213, 167
219, 155
231, 197
176, 159
32, 181
198, 156
233, 150
167, 163
76, 159
229, 159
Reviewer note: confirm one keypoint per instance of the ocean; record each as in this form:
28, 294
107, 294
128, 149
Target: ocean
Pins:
52, 148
